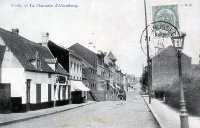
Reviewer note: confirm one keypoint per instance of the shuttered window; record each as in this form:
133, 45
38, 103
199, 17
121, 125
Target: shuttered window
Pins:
38, 93
49, 92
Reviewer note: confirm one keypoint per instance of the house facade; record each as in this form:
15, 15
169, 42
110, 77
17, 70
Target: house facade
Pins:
78, 88
89, 59
122, 81
30, 76
101, 82
72, 63
113, 74
165, 67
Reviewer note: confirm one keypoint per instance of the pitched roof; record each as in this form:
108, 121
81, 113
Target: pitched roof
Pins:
85, 53
60, 53
25, 50
169, 52
87, 65
71, 52
2, 51
111, 56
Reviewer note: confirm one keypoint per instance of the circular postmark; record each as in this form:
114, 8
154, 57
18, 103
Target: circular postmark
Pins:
159, 36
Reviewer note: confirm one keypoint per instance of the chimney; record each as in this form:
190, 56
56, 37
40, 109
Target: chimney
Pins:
16, 31
45, 38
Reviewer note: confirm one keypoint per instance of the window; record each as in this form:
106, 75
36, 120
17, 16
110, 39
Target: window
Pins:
74, 66
38, 93
59, 90
64, 92
49, 75
80, 68
77, 67
74, 77
49, 92
71, 64
28, 83
38, 64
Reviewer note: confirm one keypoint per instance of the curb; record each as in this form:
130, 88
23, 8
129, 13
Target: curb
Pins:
154, 114
41, 115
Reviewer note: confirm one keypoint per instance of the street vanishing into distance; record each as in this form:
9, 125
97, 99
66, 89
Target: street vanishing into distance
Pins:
132, 113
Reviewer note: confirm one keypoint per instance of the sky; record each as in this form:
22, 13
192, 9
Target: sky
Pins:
111, 25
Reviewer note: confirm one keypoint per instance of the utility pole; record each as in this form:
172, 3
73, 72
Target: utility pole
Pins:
148, 63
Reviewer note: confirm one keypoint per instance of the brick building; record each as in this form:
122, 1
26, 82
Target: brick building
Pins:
165, 67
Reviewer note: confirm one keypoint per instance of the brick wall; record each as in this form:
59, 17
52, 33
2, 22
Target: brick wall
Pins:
165, 67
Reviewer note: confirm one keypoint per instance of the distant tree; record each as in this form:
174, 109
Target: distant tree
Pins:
144, 80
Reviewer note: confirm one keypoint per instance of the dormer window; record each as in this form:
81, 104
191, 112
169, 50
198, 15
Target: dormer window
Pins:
38, 64
35, 61
52, 63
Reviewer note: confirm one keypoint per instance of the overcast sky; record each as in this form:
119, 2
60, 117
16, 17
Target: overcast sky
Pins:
114, 25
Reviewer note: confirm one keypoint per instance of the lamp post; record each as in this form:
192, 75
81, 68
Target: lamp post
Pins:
178, 43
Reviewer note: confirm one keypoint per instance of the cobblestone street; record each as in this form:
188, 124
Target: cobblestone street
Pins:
132, 113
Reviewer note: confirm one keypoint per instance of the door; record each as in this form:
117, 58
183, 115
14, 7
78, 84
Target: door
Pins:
28, 84
49, 92
5, 98
38, 93
64, 92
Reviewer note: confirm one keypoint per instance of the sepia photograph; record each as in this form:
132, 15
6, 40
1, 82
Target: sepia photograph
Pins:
100, 64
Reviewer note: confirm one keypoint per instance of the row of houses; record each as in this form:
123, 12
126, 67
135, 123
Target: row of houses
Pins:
42, 75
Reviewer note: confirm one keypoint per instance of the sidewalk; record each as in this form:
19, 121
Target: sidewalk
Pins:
17, 117
167, 116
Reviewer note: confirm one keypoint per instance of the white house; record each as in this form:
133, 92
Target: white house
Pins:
35, 77
78, 89
72, 62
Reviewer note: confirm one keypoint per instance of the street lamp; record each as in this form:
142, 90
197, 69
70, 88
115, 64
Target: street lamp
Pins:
178, 43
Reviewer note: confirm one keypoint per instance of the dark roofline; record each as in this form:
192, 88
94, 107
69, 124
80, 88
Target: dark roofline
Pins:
82, 46
64, 63
73, 53
22, 48
111, 56
170, 46
85, 53
28, 41
47, 72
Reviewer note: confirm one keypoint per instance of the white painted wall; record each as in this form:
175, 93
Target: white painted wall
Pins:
76, 73
42, 78
39, 78
13, 72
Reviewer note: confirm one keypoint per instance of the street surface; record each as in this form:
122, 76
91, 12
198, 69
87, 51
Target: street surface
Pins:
132, 113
